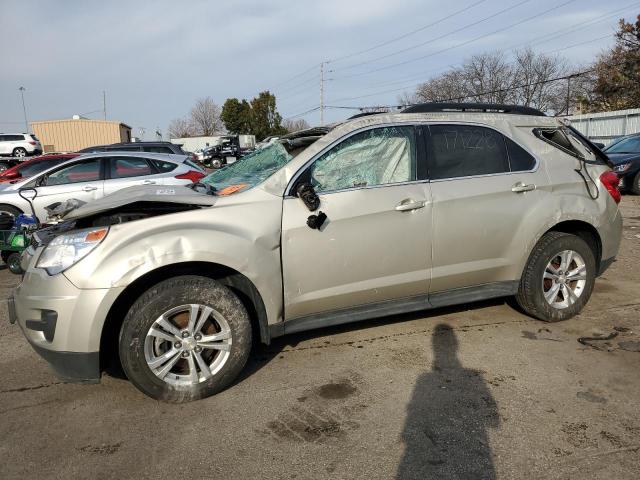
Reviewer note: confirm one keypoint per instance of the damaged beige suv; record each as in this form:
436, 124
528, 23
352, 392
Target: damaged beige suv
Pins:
382, 214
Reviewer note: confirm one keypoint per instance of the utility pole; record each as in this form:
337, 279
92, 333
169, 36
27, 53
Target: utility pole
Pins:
104, 104
568, 92
322, 93
24, 110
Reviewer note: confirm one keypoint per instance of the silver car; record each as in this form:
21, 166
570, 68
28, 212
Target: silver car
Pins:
379, 215
92, 176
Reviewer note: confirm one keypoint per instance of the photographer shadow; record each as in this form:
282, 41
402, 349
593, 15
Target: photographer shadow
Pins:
446, 429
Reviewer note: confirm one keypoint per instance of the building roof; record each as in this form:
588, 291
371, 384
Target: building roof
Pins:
72, 120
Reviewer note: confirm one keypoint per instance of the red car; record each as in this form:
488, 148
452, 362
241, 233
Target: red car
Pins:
34, 166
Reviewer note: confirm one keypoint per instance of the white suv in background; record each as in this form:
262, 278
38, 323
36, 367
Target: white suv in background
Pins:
19, 144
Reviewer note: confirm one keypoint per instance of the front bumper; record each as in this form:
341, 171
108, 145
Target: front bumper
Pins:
62, 322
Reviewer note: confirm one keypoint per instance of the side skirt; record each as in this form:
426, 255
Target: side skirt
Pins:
394, 307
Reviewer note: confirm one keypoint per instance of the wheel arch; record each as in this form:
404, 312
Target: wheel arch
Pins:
584, 230
232, 279
4, 205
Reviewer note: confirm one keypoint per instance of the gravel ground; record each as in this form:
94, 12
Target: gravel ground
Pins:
478, 391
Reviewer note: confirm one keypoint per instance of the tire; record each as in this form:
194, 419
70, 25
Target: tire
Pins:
19, 152
547, 259
635, 185
11, 210
216, 163
13, 262
169, 301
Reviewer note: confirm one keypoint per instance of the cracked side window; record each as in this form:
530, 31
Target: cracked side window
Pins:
374, 157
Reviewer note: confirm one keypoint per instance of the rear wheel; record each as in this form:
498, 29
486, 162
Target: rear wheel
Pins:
635, 185
19, 152
558, 278
216, 163
185, 338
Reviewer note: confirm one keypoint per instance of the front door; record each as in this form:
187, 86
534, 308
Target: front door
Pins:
81, 180
375, 244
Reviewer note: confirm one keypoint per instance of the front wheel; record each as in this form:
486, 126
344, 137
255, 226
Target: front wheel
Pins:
216, 163
13, 262
185, 338
558, 278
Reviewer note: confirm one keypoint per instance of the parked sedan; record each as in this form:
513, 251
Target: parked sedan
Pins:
34, 166
92, 176
625, 155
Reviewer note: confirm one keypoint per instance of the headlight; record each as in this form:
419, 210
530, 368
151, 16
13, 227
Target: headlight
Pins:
67, 249
623, 167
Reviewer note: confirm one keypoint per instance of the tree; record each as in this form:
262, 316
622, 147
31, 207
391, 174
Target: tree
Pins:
616, 85
205, 117
236, 116
265, 119
295, 125
490, 78
180, 128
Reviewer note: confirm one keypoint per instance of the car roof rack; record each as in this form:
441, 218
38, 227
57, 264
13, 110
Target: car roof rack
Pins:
472, 107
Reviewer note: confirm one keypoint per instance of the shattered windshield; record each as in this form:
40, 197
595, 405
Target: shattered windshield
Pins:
249, 171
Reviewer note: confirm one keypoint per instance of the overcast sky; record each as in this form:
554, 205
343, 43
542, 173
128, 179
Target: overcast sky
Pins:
154, 59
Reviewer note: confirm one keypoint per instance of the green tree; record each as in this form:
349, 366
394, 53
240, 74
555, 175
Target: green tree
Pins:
617, 72
265, 119
236, 116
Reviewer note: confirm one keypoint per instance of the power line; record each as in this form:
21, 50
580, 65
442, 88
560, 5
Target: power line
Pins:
457, 30
418, 84
436, 22
532, 17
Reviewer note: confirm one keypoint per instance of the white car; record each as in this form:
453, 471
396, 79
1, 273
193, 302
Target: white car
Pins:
92, 176
19, 144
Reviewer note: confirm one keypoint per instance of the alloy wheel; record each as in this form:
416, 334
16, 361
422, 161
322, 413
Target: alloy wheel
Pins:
188, 344
564, 279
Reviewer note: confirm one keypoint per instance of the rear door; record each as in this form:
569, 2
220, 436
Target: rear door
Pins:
82, 180
483, 185
124, 171
375, 243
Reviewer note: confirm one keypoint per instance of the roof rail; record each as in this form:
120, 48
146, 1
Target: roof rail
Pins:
365, 114
472, 107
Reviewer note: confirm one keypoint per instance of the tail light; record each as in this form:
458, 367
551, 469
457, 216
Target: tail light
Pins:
193, 176
610, 181
32, 143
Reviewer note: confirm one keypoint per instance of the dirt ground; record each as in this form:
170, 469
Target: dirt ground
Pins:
478, 391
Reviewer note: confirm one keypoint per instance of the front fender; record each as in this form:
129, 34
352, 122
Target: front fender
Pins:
242, 236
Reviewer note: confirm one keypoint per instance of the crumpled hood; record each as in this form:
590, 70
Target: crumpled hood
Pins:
143, 193
618, 158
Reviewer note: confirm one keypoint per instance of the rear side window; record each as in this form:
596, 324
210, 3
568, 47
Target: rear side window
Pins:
191, 164
463, 151
164, 167
568, 141
519, 159
15, 138
123, 167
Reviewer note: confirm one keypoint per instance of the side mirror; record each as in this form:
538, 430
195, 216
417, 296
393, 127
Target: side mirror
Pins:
12, 175
599, 145
308, 195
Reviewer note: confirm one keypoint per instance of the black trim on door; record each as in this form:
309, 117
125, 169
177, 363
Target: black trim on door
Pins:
395, 307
